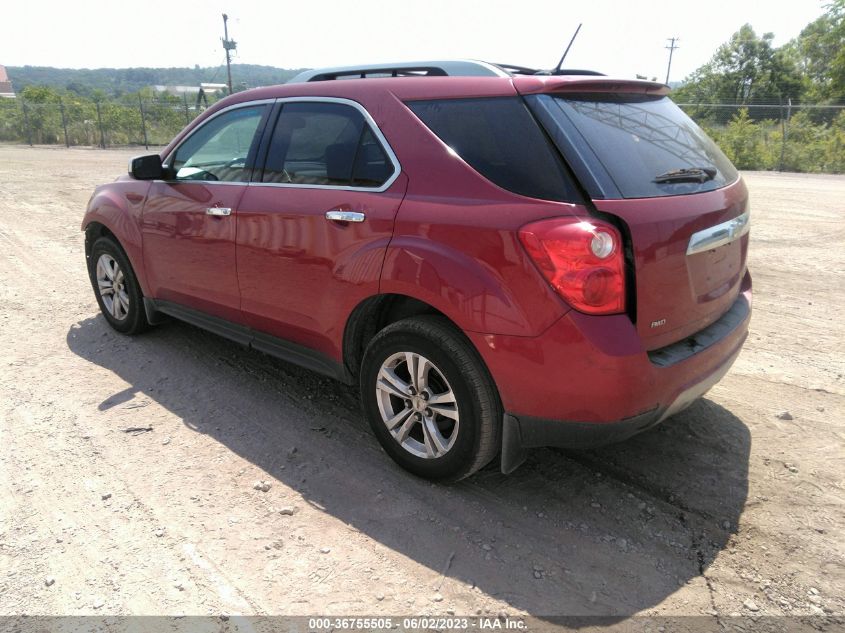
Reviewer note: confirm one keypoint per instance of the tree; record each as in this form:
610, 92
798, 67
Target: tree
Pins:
819, 52
742, 141
744, 70
39, 95
42, 113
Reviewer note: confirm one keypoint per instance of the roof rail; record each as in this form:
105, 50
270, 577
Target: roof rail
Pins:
444, 68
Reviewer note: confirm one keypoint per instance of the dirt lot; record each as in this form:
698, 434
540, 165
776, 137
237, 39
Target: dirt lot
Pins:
727, 509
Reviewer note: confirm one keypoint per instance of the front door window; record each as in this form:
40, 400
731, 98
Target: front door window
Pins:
222, 150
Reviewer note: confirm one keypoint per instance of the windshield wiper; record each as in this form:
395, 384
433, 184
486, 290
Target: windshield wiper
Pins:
690, 174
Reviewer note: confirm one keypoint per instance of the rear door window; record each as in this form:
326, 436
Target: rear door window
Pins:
638, 141
500, 139
372, 166
325, 144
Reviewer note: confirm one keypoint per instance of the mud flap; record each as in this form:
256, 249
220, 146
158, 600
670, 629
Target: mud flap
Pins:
154, 317
513, 452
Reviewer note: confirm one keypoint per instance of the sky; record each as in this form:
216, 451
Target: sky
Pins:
618, 38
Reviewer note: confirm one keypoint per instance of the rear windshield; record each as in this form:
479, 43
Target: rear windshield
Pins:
637, 140
500, 139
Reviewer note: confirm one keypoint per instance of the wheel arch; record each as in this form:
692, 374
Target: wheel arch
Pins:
107, 216
94, 231
375, 313
482, 280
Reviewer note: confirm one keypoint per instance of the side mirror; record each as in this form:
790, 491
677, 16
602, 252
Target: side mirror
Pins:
146, 167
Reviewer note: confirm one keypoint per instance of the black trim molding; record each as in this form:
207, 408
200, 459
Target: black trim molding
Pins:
277, 347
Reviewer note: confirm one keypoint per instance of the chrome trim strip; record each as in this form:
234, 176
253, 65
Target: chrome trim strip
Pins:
203, 182
719, 235
397, 167
391, 155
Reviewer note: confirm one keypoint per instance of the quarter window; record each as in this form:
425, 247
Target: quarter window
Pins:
221, 149
325, 144
499, 138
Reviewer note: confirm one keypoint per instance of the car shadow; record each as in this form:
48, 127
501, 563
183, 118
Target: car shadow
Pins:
608, 532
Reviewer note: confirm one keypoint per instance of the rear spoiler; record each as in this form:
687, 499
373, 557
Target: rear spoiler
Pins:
546, 84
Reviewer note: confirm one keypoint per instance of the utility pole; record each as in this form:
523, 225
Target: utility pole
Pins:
228, 46
672, 46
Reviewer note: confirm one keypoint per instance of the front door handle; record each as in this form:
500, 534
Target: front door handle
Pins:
336, 215
218, 211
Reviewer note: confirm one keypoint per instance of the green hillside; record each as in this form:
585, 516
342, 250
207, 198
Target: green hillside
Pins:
119, 81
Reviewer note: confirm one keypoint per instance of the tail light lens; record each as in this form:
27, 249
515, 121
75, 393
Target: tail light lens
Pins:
581, 259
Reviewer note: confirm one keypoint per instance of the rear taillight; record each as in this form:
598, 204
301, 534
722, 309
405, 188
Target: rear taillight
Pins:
582, 260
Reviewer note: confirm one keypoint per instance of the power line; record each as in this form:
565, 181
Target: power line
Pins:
672, 46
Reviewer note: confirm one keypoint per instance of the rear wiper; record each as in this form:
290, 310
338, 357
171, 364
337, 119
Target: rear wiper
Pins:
690, 174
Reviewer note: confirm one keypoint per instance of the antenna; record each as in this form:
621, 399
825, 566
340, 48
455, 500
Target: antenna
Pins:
560, 63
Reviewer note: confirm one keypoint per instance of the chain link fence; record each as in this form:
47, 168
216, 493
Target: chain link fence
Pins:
764, 136
78, 122
782, 136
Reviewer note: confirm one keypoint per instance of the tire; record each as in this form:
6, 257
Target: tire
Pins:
108, 267
457, 427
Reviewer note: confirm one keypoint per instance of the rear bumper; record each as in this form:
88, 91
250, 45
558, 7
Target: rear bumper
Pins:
589, 381
521, 433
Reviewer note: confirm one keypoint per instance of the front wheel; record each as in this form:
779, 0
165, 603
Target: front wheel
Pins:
116, 287
430, 400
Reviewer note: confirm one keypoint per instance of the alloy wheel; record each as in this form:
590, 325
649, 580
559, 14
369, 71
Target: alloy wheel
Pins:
111, 284
417, 405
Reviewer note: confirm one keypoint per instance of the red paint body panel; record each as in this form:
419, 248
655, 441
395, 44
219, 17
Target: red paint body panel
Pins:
118, 207
454, 257
689, 292
456, 244
299, 272
189, 256
594, 369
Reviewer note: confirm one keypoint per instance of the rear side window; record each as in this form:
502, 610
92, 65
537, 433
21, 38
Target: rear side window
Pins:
500, 139
638, 140
325, 144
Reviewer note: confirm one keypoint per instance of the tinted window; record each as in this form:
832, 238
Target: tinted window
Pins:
325, 144
220, 149
638, 138
499, 138
372, 166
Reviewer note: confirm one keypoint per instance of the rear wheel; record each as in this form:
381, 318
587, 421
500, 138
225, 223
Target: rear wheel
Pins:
116, 287
430, 400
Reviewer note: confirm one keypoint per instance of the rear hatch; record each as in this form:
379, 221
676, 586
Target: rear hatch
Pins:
679, 200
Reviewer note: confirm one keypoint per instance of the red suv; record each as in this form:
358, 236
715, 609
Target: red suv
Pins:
501, 260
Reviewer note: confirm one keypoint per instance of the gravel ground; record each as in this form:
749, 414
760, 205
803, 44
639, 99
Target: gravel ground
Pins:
253, 487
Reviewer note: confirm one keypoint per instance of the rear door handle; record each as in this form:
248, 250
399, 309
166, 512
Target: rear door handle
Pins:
336, 215
218, 211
